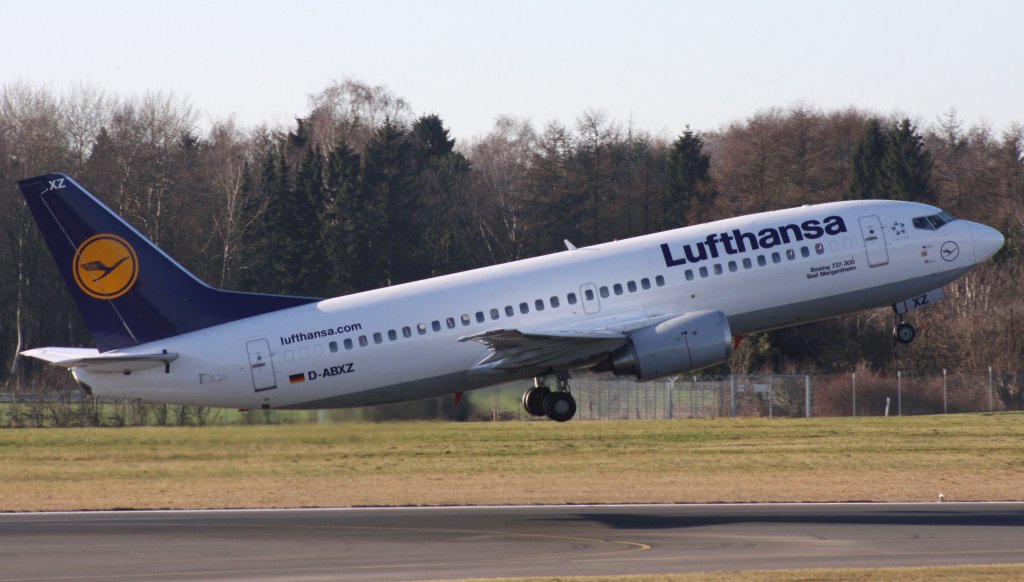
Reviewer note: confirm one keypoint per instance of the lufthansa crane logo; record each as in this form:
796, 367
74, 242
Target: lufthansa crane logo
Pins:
106, 266
949, 250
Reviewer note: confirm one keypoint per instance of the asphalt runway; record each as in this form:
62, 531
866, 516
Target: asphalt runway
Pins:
451, 543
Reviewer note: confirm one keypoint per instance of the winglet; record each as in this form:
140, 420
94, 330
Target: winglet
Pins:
128, 290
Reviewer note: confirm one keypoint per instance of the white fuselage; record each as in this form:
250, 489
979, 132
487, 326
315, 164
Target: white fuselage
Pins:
401, 342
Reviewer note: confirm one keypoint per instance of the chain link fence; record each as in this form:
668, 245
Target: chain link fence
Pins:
597, 397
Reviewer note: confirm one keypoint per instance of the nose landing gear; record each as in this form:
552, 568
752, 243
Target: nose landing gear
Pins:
558, 405
904, 332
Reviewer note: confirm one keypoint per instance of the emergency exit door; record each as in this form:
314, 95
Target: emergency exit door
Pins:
262, 366
874, 241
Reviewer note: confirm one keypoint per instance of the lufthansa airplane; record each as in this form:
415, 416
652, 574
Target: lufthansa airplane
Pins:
646, 307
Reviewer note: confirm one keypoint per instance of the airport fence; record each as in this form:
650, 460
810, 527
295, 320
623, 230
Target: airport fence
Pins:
597, 397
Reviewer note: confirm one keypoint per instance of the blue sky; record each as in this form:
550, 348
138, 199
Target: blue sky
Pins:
661, 64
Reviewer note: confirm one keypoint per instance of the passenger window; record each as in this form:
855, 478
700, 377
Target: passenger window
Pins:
659, 281
377, 338
805, 252
617, 288
392, 335
406, 331
746, 263
421, 328
645, 283
524, 308
718, 269
733, 267
348, 343
333, 346
539, 305
509, 311
631, 286
450, 322
303, 353
761, 261
703, 272
689, 274
480, 317
318, 349
819, 248
776, 258
288, 356
603, 291
435, 325
465, 319
589, 294
363, 342
554, 302
571, 298
495, 314
790, 254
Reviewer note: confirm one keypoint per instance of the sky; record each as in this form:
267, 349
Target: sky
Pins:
660, 65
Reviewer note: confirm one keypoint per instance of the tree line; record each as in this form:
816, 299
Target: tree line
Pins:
360, 193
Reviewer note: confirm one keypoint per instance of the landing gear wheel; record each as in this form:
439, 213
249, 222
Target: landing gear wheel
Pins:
533, 400
560, 406
904, 332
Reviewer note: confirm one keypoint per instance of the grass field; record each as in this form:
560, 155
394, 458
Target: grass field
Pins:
973, 573
964, 457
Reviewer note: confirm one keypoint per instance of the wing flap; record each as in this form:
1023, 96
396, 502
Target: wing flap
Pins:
513, 349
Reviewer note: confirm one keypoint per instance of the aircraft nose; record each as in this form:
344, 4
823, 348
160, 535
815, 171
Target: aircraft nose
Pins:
987, 241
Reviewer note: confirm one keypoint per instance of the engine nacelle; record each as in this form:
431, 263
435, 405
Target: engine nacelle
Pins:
688, 342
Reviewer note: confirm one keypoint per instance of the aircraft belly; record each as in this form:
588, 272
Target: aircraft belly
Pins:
384, 375
155, 386
411, 390
794, 311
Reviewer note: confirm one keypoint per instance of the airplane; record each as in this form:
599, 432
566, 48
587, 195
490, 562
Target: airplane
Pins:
647, 307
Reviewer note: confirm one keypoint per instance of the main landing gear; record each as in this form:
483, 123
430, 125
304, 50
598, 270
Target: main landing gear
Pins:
904, 332
558, 405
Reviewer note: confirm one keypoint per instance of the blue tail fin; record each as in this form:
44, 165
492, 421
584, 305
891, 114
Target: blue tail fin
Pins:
128, 290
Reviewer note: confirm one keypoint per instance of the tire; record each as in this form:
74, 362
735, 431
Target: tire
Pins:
560, 406
533, 400
904, 333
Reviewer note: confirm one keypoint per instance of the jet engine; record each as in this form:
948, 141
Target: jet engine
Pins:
688, 342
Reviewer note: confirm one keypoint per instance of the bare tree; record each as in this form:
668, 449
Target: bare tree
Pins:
351, 110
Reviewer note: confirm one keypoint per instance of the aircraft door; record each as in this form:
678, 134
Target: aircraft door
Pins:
874, 241
263, 377
588, 294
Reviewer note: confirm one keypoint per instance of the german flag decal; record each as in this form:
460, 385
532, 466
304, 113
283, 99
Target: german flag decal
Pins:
296, 378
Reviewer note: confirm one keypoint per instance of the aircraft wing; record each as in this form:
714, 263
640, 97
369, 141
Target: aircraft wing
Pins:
513, 349
97, 362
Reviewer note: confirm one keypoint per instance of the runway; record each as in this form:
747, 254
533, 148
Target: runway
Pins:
477, 542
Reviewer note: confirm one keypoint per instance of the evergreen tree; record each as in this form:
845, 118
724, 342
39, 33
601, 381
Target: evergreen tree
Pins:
867, 180
341, 229
308, 212
393, 209
907, 167
439, 180
689, 179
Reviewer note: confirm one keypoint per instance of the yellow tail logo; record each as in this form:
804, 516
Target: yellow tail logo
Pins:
105, 266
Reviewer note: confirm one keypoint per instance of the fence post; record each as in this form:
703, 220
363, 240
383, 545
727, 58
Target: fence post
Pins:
854, 394
732, 395
668, 396
990, 389
771, 397
807, 395
944, 410
899, 393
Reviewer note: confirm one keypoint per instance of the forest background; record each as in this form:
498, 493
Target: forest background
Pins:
361, 192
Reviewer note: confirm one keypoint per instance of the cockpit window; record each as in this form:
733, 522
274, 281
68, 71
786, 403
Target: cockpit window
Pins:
933, 222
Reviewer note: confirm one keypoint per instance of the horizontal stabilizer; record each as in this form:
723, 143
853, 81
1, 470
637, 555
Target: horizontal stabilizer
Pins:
96, 362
